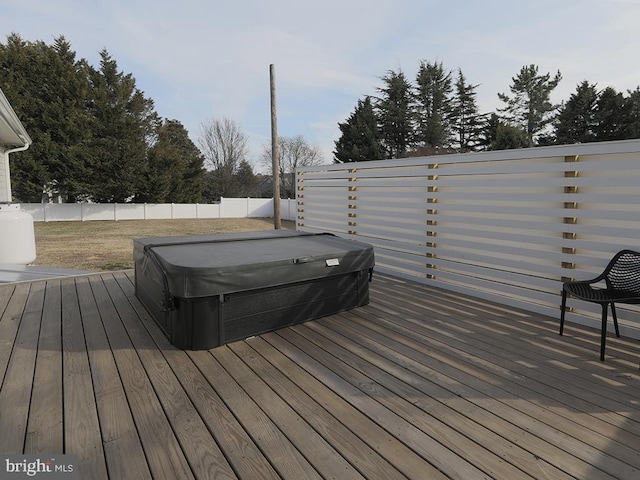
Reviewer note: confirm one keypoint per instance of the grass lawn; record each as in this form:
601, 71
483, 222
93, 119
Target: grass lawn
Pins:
108, 245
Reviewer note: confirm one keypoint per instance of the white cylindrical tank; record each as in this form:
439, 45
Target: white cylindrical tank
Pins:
17, 235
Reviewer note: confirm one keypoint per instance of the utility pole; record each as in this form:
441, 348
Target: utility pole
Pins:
275, 159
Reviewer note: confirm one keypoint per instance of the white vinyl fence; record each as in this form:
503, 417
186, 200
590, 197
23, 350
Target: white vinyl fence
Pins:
227, 208
507, 226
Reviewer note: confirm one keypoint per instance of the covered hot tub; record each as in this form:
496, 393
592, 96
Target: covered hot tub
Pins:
208, 290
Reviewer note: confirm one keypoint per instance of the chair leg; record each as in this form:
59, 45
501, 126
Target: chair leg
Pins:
615, 319
603, 334
562, 308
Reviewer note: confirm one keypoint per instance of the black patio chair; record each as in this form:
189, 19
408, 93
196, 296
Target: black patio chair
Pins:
621, 285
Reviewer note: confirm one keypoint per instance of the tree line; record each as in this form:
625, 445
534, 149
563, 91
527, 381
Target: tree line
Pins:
97, 137
438, 113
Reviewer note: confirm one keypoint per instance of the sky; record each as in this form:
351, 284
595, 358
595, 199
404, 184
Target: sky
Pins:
205, 59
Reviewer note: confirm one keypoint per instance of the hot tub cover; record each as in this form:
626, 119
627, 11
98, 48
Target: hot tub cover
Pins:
235, 262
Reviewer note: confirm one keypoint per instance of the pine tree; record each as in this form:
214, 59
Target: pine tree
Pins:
395, 113
576, 118
632, 113
360, 138
488, 132
123, 120
530, 107
69, 128
175, 172
467, 123
92, 129
17, 70
508, 137
246, 180
48, 89
193, 174
433, 105
610, 116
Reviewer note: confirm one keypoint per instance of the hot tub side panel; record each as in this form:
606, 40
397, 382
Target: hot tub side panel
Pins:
259, 311
151, 288
207, 321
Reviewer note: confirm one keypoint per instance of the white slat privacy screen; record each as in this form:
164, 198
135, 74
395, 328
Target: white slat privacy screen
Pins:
507, 226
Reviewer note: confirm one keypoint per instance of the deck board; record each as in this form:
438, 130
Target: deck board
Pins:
508, 364
316, 450
367, 395
285, 458
446, 419
308, 405
81, 422
421, 383
14, 400
45, 428
124, 456
16, 298
237, 446
395, 454
162, 449
200, 449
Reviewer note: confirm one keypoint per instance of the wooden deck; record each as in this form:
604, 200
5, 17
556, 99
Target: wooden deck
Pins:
419, 384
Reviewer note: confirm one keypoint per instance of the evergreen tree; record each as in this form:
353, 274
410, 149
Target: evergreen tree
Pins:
488, 132
188, 176
69, 130
576, 118
433, 105
17, 69
632, 113
508, 137
530, 107
123, 122
48, 89
162, 172
246, 180
467, 122
210, 192
175, 172
360, 138
92, 130
395, 114
193, 173
610, 116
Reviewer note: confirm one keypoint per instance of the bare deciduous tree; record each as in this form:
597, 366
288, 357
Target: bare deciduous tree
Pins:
293, 152
224, 146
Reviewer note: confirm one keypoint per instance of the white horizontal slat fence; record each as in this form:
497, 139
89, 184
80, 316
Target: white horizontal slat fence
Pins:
507, 226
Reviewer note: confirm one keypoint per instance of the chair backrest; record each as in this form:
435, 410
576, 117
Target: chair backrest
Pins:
623, 272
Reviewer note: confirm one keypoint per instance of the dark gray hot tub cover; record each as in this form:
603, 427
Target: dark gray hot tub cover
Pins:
204, 265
